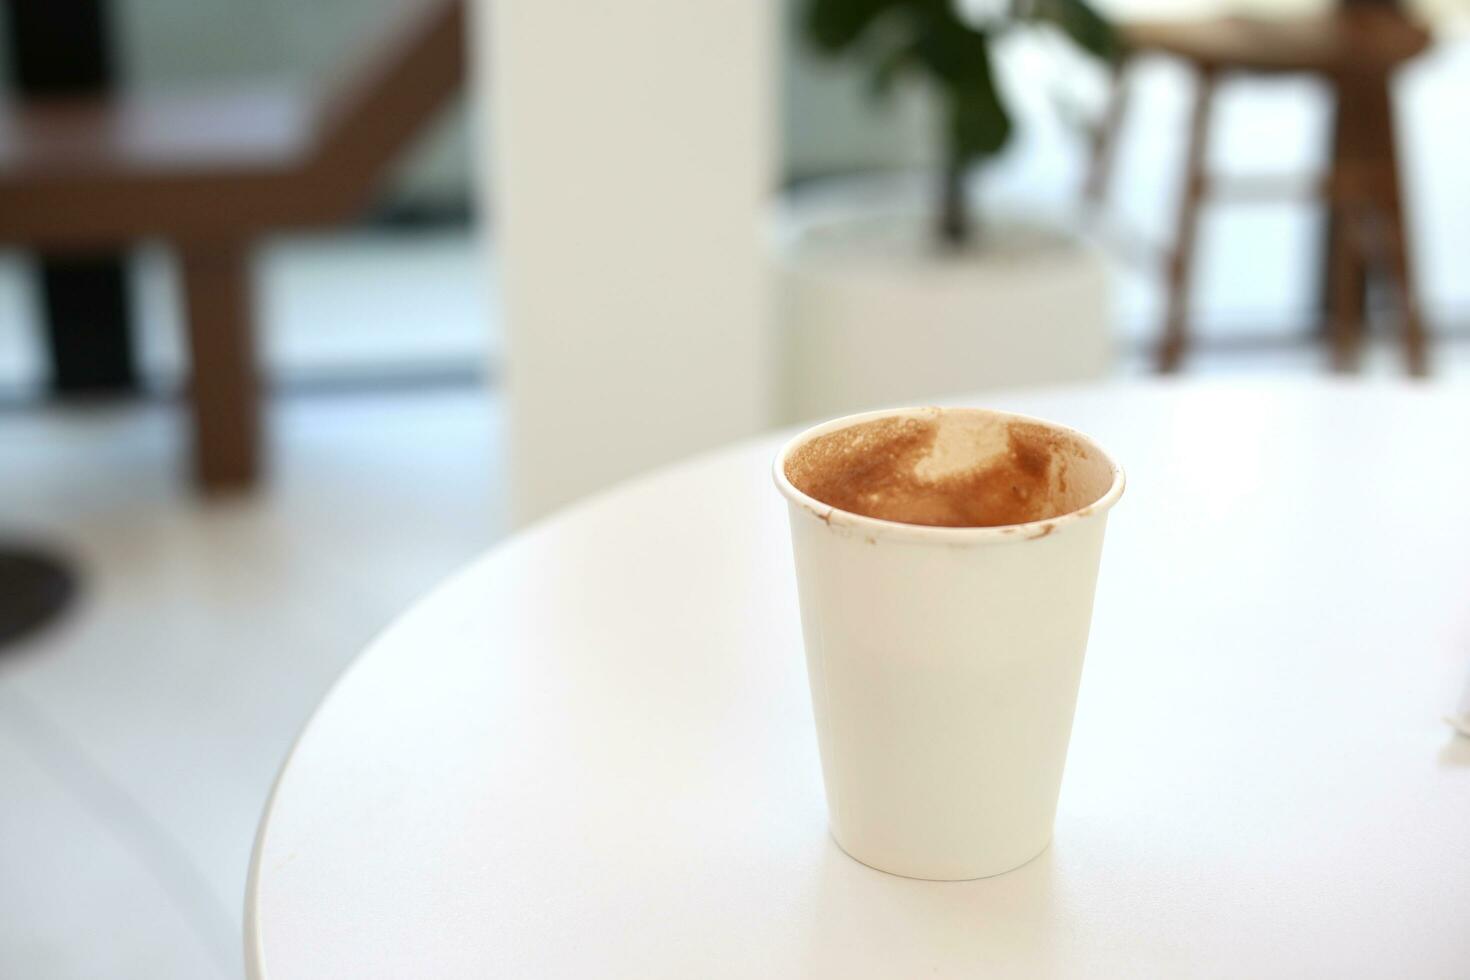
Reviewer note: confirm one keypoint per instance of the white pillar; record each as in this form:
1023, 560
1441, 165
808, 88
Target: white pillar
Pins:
630, 166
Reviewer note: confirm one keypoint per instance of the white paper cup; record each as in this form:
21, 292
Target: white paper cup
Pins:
944, 664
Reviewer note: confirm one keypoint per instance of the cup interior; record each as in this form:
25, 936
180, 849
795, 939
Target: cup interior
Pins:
952, 467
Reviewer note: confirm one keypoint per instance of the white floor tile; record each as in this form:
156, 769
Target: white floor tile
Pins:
208, 631
84, 891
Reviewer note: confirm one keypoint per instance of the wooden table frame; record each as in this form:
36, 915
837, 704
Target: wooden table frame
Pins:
210, 174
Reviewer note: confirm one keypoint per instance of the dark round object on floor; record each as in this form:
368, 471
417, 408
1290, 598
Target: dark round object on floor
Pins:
34, 589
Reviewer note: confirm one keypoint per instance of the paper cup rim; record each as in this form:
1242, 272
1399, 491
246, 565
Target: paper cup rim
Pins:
1001, 533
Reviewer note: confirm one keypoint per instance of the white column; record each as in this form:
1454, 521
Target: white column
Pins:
628, 173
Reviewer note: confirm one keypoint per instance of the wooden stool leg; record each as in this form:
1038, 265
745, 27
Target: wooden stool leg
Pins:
223, 389
1343, 302
1181, 262
1105, 141
1345, 277
1415, 338
1388, 199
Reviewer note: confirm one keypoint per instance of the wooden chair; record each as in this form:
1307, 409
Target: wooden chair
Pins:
1356, 50
210, 173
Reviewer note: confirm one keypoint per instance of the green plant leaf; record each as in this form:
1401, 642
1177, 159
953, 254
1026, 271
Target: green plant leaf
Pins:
956, 56
950, 49
979, 125
834, 26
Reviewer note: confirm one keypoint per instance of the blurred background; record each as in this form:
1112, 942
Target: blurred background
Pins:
302, 306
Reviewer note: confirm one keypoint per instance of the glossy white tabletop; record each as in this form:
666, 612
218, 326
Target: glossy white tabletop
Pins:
591, 753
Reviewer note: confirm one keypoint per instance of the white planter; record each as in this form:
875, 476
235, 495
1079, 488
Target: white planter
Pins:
874, 314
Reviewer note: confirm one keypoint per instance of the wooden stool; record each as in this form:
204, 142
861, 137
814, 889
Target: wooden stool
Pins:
1356, 50
210, 173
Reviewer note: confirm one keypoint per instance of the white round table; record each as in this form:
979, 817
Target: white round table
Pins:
591, 754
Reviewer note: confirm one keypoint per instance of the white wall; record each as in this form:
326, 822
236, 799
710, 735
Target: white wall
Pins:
631, 163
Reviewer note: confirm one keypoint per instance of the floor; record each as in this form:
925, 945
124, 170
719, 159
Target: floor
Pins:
139, 738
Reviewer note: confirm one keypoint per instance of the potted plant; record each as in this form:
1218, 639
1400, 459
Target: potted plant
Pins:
894, 297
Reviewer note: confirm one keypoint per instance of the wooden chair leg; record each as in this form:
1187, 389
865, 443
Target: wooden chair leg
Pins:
1341, 300
1346, 277
1388, 199
1415, 338
1105, 141
223, 388
1181, 262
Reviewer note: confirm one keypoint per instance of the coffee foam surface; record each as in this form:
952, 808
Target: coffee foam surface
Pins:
951, 468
